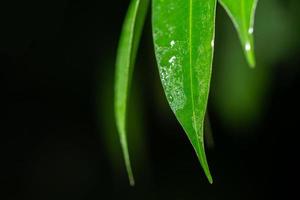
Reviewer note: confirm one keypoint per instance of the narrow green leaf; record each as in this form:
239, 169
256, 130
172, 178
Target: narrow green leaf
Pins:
183, 32
126, 55
242, 14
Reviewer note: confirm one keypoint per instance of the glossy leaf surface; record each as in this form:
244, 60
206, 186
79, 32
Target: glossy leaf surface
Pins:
242, 14
126, 55
183, 32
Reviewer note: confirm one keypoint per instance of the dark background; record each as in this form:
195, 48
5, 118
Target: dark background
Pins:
57, 63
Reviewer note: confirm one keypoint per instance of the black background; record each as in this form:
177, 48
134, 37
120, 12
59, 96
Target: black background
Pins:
52, 55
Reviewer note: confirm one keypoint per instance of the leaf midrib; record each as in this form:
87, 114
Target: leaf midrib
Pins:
199, 144
190, 63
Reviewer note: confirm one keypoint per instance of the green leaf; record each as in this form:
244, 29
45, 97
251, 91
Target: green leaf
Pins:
183, 32
126, 55
242, 14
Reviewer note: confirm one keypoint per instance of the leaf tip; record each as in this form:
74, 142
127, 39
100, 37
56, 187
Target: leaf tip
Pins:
204, 164
250, 57
123, 140
129, 171
131, 181
127, 163
208, 176
252, 64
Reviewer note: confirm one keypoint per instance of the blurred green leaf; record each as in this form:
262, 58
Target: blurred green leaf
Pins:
126, 55
240, 96
183, 34
242, 14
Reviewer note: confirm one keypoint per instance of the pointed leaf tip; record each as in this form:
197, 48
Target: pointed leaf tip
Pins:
184, 53
242, 14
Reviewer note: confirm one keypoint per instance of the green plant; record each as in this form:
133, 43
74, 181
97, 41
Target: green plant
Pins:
183, 33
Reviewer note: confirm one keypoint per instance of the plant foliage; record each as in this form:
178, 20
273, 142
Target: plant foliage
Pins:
183, 33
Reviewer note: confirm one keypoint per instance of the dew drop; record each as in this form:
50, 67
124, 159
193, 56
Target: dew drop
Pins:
172, 43
212, 43
250, 30
172, 59
248, 46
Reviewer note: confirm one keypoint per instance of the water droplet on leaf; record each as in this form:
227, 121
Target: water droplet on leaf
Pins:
250, 31
172, 43
248, 46
212, 43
